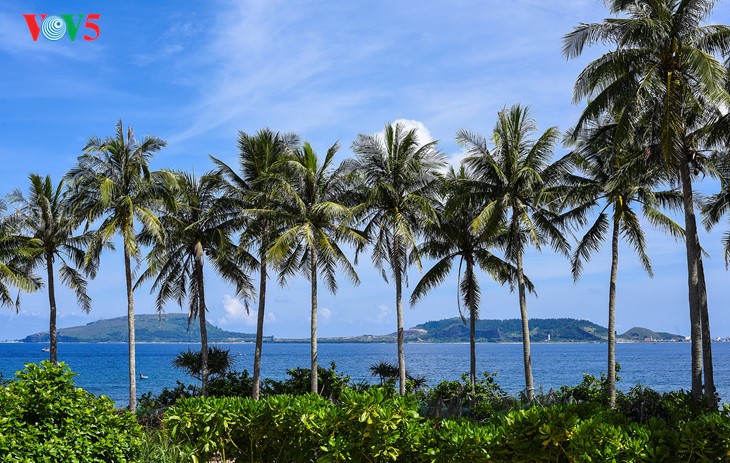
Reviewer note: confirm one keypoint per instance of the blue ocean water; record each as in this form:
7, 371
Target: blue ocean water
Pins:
102, 368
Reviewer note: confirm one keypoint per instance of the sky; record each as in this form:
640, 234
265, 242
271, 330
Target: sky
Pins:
195, 73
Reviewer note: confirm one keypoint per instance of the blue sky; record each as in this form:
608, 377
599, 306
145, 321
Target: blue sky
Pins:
194, 73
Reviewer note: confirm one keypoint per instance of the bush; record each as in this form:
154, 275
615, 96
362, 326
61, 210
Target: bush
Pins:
240, 384
378, 426
44, 418
331, 383
458, 398
168, 397
364, 427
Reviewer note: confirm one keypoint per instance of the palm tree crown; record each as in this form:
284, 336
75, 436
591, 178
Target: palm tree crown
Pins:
252, 190
451, 239
514, 177
16, 254
401, 177
615, 181
112, 182
199, 226
314, 223
661, 79
46, 216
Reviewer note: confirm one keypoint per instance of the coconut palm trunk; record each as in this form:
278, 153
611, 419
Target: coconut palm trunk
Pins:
709, 374
527, 357
52, 337
199, 260
399, 315
612, 315
693, 253
256, 392
313, 333
130, 331
472, 326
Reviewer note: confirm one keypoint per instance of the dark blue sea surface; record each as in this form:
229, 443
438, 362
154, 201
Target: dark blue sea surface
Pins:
102, 368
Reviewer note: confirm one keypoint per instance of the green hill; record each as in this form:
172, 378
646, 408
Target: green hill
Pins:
641, 334
556, 329
148, 328
541, 330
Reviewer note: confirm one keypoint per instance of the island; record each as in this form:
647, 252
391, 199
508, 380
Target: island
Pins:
169, 327
174, 328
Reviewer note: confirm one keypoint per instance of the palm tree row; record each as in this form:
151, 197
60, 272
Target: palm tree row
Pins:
501, 199
654, 113
667, 87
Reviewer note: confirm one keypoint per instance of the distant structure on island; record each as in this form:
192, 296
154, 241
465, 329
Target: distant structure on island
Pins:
172, 327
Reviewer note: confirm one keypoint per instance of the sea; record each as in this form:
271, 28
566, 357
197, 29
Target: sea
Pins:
102, 368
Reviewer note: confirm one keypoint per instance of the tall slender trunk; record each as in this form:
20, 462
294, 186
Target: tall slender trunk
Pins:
472, 329
612, 316
52, 303
201, 317
527, 358
130, 332
706, 336
256, 393
313, 332
399, 316
693, 250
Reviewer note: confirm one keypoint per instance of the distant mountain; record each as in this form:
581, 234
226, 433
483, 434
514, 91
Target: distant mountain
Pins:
148, 328
553, 329
541, 330
643, 334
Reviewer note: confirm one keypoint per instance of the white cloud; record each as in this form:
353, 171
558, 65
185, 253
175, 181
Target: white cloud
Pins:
235, 312
325, 314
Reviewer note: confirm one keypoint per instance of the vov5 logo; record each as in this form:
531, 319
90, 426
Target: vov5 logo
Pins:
55, 27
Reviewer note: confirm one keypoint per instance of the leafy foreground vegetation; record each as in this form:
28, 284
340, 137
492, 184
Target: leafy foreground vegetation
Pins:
377, 426
44, 418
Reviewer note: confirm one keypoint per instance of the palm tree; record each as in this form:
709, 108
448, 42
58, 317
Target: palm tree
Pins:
664, 69
614, 182
218, 362
112, 182
16, 252
260, 158
514, 175
449, 240
401, 176
199, 226
384, 370
45, 216
314, 223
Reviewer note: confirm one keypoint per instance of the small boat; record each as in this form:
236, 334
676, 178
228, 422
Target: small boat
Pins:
46, 349
141, 376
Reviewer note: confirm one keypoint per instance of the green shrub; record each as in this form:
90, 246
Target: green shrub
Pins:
168, 397
460, 440
44, 418
458, 398
377, 426
364, 426
331, 383
232, 384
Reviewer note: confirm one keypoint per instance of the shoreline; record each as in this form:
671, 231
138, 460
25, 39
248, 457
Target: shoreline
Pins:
321, 341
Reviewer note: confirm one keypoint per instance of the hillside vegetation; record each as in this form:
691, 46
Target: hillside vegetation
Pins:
171, 327
541, 330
